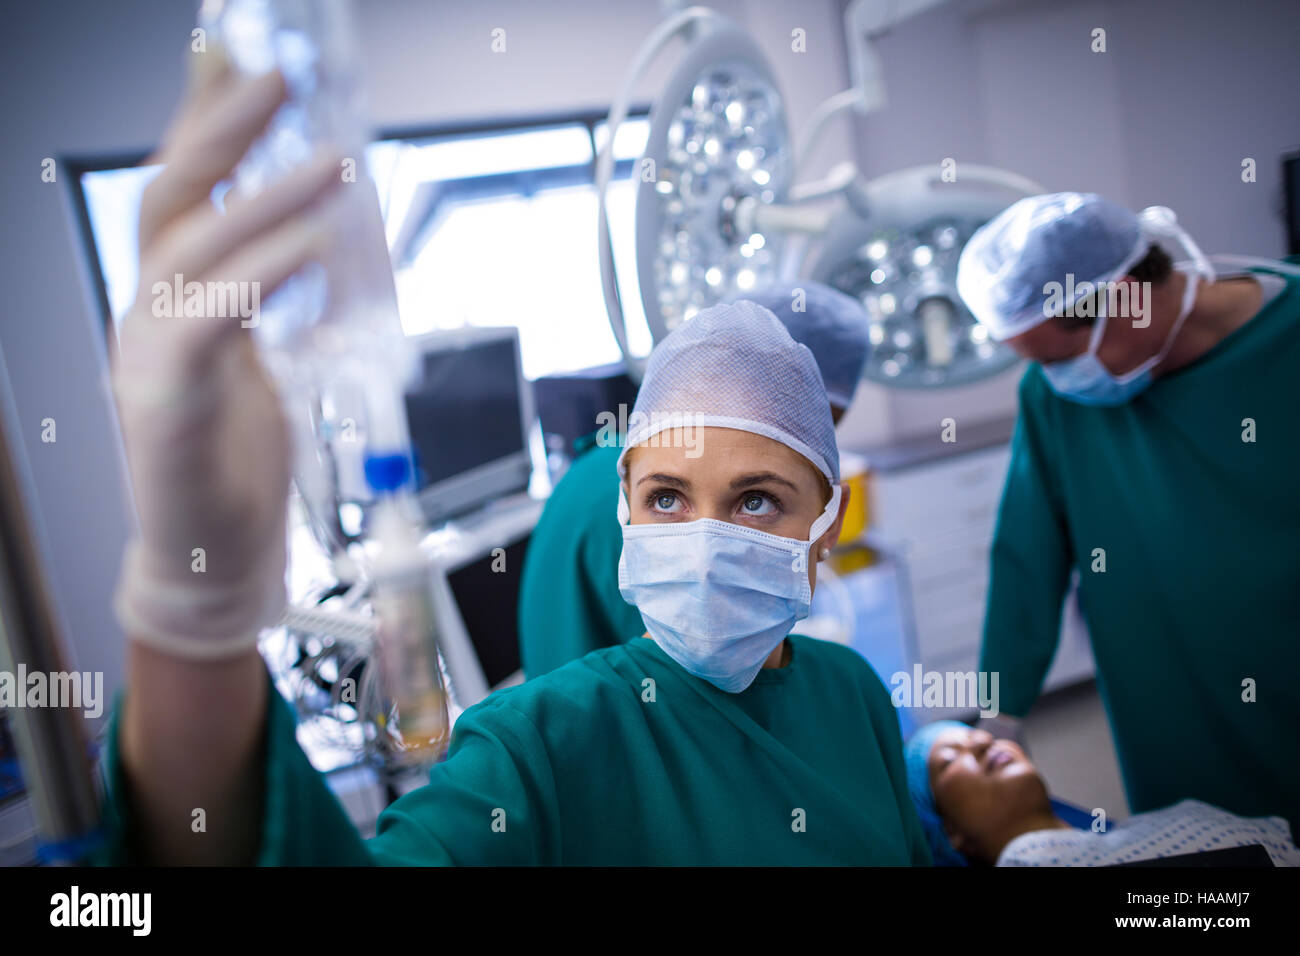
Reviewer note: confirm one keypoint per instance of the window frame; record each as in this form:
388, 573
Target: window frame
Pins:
527, 182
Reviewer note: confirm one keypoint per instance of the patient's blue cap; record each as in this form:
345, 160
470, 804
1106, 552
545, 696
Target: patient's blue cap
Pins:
916, 756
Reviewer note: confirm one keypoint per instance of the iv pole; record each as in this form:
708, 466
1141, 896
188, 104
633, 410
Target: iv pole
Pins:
51, 743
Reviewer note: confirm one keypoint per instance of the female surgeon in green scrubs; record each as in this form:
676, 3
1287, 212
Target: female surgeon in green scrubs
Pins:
569, 602
719, 739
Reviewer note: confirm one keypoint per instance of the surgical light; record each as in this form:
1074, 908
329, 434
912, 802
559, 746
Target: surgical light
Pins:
717, 135
717, 198
718, 144
900, 260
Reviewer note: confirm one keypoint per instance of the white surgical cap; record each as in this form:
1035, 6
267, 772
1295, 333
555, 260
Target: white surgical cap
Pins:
736, 366
833, 326
1007, 268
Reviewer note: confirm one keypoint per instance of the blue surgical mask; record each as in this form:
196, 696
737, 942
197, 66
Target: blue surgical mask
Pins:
718, 597
1085, 380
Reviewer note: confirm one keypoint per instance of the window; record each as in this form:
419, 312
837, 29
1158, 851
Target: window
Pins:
485, 228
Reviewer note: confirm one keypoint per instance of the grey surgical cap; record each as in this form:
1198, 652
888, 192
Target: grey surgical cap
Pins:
736, 366
1006, 268
833, 326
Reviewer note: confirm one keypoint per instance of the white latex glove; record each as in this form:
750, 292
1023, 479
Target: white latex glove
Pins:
206, 440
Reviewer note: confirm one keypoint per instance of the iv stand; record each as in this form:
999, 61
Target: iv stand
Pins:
51, 743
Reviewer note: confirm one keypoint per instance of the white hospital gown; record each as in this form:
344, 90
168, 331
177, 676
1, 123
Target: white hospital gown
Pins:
1187, 827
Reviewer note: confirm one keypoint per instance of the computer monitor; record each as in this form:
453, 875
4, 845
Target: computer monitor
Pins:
477, 565
471, 416
1291, 190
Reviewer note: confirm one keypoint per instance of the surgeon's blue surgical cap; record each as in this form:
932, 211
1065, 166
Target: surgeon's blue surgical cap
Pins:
1005, 270
916, 757
833, 326
736, 366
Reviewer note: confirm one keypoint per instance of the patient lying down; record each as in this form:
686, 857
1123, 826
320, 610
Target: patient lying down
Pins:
982, 801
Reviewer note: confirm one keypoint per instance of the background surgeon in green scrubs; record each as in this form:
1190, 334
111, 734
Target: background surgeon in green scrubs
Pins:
569, 602
724, 740
1155, 453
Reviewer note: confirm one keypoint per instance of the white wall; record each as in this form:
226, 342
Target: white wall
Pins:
434, 60
84, 78
80, 78
1185, 90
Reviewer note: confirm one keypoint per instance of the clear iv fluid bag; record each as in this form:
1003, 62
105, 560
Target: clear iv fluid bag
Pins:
335, 323
333, 330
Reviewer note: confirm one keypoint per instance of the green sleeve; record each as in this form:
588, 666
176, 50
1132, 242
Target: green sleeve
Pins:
491, 801
1030, 560
569, 602
302, 821
885, 720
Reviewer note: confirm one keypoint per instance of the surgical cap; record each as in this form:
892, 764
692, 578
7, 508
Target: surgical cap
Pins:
736, 366
1005, 270
833, 326
916, 758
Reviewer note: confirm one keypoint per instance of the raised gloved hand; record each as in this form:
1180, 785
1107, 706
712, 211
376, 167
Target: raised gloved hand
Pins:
206, 441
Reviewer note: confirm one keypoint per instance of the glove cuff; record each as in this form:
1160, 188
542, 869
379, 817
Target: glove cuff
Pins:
197, 621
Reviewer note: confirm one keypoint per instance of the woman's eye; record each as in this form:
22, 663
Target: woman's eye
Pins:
665, 502
757, 505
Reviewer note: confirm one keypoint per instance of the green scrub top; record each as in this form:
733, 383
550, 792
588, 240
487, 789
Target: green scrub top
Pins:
569, 603
620, 758
1189, 495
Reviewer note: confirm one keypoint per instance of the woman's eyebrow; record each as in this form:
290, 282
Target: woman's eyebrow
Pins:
758, 478
664, 478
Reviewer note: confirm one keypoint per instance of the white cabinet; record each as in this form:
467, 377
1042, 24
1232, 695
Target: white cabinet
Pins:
935, 520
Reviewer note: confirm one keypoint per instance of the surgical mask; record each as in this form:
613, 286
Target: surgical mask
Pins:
719, 597
1085, 380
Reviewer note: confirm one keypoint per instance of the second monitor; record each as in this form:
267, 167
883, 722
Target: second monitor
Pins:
471, 416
